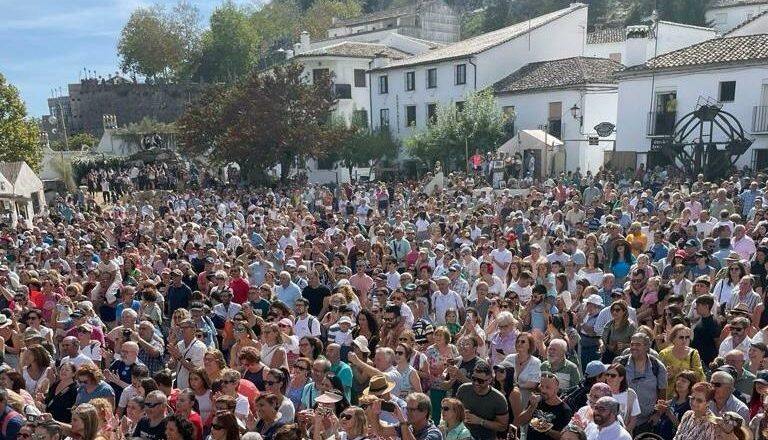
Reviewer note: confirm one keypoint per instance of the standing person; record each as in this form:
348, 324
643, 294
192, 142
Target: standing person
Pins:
486, 410
187, 354
415, 424
617, 332
546, 415
680, 356
152, 425
706, 332
647, 375
723, 399
696, 424
605, 415
178, 295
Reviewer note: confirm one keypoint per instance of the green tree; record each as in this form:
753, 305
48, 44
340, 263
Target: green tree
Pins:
480, 125
366, 147
230, 46
19, 135
278, 23
263, 120
75, 142
155, 43
319, 16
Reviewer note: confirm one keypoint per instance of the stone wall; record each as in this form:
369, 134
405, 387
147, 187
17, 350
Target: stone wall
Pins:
91, 99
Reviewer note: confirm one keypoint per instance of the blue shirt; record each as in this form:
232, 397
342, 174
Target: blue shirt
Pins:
288, 294
135, 305
537, 316
344, 373
102, 390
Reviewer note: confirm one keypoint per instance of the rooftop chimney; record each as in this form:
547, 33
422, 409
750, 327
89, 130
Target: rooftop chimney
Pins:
305, 41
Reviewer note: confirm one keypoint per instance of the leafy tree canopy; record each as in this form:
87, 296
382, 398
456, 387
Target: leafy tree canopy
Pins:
19, 135
479, 125
264, 120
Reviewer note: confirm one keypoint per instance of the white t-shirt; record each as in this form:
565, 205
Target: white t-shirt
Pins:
622, 399
78, 360
524, 293
503, 256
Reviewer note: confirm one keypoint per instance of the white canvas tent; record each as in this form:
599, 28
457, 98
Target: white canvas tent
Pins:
547, 149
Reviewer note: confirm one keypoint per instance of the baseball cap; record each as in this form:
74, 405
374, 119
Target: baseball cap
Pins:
762, 377
595, 368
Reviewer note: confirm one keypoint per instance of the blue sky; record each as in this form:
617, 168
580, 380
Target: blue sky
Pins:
45, 44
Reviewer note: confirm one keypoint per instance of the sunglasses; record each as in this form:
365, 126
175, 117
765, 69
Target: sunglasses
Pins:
717, 384
612, 375
270, 382
479, 380
345, 416
229, 381
446, 408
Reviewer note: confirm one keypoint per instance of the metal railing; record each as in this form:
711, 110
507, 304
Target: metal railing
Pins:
661, 123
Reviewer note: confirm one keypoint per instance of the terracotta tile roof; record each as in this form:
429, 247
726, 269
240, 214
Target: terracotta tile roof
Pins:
607, 35
481, 43
716, 51
559, 74
732, 3
356, 50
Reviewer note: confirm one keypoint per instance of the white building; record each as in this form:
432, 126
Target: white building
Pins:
654, 96
405, 93
635, 45
727, 14
542, 94
348, 61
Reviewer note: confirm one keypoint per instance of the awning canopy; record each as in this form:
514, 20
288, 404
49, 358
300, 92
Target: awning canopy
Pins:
530, 140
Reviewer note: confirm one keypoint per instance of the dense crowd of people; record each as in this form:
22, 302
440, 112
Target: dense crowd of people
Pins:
603, 306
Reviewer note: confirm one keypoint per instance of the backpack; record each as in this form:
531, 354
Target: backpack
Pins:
655, 363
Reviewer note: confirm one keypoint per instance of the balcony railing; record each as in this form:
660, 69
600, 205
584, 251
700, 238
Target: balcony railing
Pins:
661, 123
760, 119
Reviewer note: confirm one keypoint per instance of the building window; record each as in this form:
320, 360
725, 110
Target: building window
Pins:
342, 91
460, 106
410, 81
727, 91
509, 112
383, 84
431, 78
461, 74
431, 113
319, 73
384, 117
360, 117
359, 77
410, 115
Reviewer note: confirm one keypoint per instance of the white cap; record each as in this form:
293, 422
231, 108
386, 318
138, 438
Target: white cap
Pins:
594, 299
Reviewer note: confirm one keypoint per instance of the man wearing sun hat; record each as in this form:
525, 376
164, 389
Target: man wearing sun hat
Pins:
382, 387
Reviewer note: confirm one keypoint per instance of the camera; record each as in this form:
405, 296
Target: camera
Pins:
388, 406
127, 333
